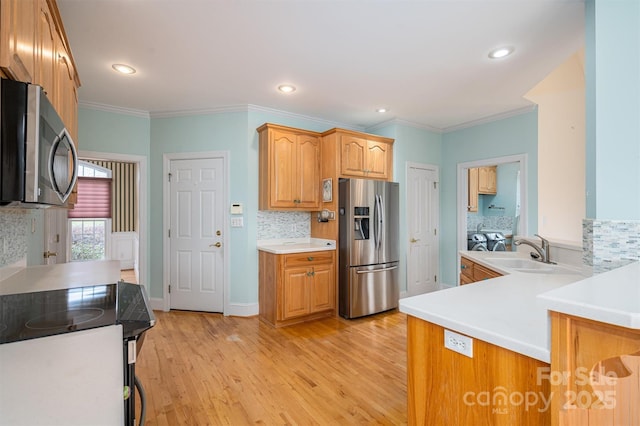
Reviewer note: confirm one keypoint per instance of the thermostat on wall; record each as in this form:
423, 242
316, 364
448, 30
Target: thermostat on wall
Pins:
236, 208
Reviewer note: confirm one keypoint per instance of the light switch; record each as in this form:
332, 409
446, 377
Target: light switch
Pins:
237, 222
236, 208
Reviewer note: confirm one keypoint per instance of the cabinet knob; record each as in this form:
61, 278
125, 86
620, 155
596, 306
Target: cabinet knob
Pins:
310, 258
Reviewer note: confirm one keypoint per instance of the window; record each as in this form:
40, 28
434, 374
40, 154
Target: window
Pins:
90, 219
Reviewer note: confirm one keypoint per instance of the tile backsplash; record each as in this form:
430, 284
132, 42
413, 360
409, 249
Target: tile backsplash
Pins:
13, 236
609, 244
489, 222
273, 225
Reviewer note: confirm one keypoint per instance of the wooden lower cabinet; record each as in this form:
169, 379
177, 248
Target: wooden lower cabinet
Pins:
495, 387
296, 287
596, 373
471, 272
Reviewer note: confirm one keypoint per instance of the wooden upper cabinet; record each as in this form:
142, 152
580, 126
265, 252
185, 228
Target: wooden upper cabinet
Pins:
365, 156
289, 169
34, 49
45, 50
487, 180
17, 38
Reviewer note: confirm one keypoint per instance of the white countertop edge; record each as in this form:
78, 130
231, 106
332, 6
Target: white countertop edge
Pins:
540, 353
580, 298
295, 245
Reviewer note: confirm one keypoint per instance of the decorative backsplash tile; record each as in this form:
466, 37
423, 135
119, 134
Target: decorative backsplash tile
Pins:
276, 225
609, 244
489, 222
13, 235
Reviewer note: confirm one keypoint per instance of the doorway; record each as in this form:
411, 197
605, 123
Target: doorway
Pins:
195, 217
520, 221
140, 248
423, 206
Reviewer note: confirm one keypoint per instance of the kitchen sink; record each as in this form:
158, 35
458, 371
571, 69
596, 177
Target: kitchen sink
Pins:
530, 266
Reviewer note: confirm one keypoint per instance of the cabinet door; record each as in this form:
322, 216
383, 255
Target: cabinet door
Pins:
45, 50
323, 289
487, 180
353, 153
17, 38
378, 160
307, 177
283, 169
472, 205
295, 292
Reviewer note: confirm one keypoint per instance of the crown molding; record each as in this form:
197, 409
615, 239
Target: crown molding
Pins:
200, 111
490, 118
405, 123
115, 109
286, 114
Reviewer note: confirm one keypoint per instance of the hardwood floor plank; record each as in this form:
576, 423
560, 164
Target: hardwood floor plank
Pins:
207, 369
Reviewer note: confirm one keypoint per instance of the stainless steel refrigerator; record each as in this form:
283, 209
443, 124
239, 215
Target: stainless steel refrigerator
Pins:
368, 251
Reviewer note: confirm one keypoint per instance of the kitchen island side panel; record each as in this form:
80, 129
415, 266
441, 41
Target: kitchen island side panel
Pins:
495, 387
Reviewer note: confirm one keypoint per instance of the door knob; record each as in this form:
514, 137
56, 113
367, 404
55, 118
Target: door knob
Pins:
215, 245
48, 254
413, 240
218, 233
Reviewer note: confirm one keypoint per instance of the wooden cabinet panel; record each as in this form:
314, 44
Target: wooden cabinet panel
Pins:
18, 38
447, 388
295, 293
596, 373
471, 272
296, 287
360, 156
289, 169
487, 180
45, 49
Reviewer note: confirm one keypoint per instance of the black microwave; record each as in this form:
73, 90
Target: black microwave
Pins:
38, 159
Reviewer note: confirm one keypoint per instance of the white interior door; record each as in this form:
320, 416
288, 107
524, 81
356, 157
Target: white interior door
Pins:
196, 226
423, 205
55, 236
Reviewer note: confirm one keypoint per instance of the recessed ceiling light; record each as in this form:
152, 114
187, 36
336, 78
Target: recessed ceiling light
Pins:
381, 110
123, 68
501, 52
287, 88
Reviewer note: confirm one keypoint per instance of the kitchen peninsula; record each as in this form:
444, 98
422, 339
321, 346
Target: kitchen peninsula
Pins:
507, 378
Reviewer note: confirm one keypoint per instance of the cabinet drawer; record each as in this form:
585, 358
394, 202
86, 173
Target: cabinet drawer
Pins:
308, 258
481, 273
466, 267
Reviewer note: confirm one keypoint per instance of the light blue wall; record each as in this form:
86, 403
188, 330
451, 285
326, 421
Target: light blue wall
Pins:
506, 193
411, 145
510, 136
613, 108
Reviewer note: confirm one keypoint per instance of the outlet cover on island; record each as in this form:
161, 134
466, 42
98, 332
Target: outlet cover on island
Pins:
458, 343
237, 222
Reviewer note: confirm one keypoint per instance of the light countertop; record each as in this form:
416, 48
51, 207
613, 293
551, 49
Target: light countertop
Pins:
612, 297
64, 275
503, 311
296, 245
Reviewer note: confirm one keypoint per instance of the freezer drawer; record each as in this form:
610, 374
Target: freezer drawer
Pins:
369, 290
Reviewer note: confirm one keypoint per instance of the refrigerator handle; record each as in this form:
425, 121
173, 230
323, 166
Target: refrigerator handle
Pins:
380, 220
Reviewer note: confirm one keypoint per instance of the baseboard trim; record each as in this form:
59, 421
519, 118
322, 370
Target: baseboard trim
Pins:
242, 309
233, 309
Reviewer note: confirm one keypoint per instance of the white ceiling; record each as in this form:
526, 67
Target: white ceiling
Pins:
425, 60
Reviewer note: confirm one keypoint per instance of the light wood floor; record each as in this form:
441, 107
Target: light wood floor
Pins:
207, 369
129, 276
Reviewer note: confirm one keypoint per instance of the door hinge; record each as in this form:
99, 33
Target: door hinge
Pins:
435, 185
435, 278
169, 288
169, 177
169, 233
435, 231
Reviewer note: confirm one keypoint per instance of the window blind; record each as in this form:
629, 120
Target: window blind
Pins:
94, 199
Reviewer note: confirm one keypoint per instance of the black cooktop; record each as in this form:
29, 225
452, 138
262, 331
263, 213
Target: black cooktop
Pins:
46, 313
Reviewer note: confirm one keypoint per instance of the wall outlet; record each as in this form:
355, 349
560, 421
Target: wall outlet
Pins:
458, 343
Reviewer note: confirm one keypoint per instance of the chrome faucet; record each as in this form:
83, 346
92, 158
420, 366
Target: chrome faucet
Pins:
542, 251
479, 227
